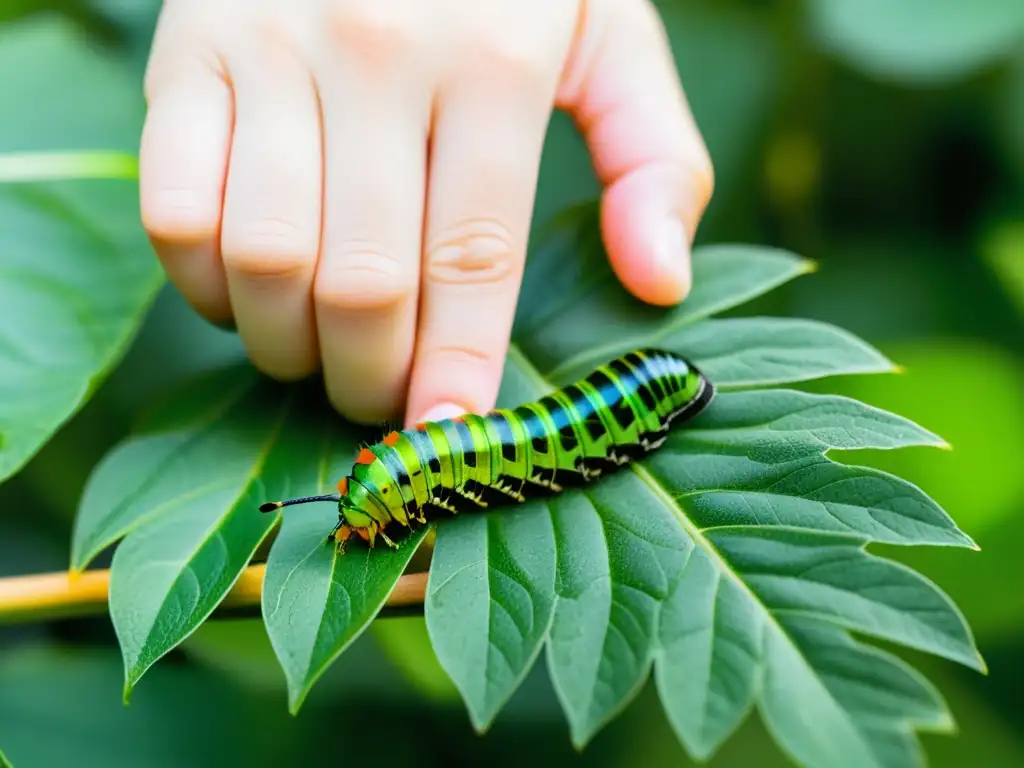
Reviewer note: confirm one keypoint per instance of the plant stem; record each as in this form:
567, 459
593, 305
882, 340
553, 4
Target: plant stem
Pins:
45, 596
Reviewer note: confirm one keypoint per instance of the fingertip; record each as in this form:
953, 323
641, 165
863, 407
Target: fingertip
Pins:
648, 244
452, 380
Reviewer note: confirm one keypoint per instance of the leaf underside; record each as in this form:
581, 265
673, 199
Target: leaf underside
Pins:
731, 565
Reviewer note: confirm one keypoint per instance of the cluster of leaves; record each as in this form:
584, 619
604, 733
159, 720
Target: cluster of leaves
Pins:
732, 563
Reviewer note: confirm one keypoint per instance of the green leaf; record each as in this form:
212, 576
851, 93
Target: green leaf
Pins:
184, 494
130, 485
316, 602
918, 40
730, 565
692, 562
757, 458
576, 307
501, 602
76, 270
196, 525
978, 482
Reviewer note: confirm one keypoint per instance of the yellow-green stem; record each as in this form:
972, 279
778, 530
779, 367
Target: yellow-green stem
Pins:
46, 596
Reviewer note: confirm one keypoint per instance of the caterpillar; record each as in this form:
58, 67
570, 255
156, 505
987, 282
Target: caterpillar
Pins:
617, 414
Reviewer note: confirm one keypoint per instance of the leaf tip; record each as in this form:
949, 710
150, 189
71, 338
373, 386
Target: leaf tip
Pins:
982, 665
946, 723
579, 737
481, 725
809, 266
296, 698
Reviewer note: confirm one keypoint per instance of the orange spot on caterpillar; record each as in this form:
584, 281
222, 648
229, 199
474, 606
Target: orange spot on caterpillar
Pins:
343, 486
343, 533
420, 425
363, 534
391, 439
365, 456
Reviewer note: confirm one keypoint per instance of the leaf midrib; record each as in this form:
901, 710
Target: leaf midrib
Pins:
697, 536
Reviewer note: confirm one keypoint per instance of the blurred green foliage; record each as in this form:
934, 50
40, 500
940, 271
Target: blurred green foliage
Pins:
883, 139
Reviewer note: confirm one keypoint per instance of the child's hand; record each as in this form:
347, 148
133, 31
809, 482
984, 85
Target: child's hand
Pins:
352, 181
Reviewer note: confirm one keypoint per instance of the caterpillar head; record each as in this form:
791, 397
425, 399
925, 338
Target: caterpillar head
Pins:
351, 518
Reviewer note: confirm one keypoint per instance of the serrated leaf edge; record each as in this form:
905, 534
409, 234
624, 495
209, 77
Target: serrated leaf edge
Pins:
712, 553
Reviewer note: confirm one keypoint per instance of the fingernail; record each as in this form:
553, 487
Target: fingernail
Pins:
443, 411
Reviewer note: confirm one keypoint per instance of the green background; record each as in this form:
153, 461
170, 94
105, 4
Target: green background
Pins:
884, 140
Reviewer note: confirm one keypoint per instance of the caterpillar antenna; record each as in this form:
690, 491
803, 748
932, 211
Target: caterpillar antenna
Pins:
270, 506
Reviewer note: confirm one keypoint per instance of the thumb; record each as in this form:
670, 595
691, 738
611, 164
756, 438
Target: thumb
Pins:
622, 89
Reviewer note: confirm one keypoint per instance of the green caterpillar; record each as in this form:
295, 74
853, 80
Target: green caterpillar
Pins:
617, 414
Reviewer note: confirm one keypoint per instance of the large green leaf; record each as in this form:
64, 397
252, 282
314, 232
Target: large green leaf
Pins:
184, 494
76, 271
731, 563
195, 478
697, 561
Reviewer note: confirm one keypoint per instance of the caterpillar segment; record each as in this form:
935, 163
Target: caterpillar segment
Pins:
617, 414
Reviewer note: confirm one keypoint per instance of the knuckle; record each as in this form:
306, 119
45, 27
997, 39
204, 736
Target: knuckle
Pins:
465, 355
475, 252
269, 247
179, 215
364, 277
374, 26
286, 369
517, 57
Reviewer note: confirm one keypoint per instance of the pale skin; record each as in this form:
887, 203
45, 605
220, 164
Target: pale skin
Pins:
350, 182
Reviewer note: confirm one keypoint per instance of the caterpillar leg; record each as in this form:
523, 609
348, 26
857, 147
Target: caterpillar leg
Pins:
619, 456
652, 441
339, 535
593, 468
505, 487
545, 478
471, 495
441, 503
387, 541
